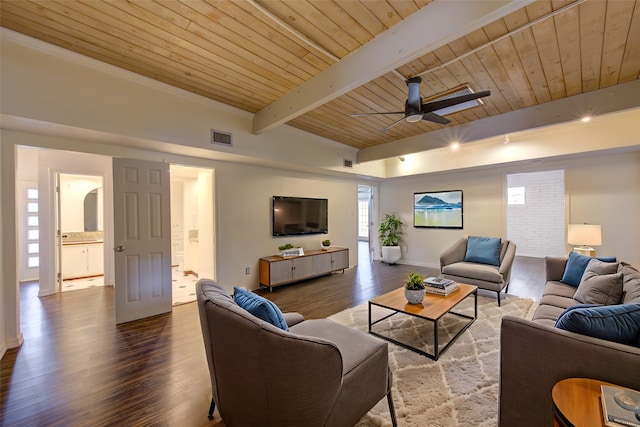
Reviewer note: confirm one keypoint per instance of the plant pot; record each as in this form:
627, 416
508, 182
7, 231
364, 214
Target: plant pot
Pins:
414, 296
325, 248
390, 254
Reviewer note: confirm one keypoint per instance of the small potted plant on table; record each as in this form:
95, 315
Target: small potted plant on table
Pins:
414, 289
326, 244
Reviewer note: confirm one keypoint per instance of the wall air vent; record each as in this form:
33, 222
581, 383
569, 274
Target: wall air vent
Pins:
222, 138
347, 163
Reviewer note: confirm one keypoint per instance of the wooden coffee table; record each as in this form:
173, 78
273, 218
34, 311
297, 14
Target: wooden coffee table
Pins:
432, 309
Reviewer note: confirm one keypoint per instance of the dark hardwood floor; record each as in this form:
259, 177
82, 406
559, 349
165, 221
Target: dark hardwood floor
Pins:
77, 368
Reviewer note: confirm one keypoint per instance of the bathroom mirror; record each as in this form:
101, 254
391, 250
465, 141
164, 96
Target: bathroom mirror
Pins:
92, 203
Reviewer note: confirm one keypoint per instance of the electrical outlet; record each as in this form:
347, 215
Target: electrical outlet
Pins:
247, 270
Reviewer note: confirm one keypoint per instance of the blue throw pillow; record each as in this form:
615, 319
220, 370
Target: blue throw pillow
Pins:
483, 250
260, 307
576, 264
618, 323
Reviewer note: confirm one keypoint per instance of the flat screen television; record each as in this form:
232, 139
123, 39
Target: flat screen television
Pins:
295, 216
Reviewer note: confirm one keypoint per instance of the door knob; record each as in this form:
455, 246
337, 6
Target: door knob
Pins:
119, 249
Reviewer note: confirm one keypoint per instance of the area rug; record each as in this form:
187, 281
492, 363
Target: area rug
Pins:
461, 388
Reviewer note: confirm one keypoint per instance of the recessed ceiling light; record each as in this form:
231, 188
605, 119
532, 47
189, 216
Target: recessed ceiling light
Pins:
455, 145
586, 119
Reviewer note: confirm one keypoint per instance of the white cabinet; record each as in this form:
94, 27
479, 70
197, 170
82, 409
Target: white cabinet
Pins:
277, 270
82, 260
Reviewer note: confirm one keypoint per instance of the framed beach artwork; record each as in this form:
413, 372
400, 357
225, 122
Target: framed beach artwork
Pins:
438, 209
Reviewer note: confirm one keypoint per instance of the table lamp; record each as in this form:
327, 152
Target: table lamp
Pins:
584, 235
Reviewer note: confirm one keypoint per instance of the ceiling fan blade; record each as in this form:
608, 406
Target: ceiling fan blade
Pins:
371, 114
392, 124
438, 105
433, 117
413, 98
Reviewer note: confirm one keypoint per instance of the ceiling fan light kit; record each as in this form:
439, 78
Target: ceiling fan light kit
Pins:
416, 110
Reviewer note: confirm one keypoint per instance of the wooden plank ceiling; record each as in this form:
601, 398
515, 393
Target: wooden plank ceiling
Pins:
249, 53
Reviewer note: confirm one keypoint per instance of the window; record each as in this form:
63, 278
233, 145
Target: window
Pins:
33, 230
363, 219
515, 195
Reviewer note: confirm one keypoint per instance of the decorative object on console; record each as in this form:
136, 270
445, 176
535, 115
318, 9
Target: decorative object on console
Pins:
326, 244
414, 288
290, 250
585, 236
390, 235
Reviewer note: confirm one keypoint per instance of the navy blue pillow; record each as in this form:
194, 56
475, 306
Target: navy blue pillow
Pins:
576, 264
260, 307
483, 250
617, 323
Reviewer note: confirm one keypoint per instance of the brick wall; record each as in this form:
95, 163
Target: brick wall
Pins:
537, 226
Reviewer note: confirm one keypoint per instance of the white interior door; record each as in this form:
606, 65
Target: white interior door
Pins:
142, 237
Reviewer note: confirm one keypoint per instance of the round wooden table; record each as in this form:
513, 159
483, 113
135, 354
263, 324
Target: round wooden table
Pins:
576, 402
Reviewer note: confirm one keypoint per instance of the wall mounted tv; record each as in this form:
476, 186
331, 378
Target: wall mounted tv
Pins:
295, 216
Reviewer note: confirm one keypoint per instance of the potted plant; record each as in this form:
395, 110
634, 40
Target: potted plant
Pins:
326, 244
390, 234
414, 288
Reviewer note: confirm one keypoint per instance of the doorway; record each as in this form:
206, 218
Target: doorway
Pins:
192, 229
80, 222
39, 166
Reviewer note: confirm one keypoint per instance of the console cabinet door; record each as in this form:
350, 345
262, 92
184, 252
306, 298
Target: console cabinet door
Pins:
302, 267
339, 260
281, 271
321, 263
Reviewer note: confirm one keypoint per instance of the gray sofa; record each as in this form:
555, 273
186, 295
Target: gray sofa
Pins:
535, 355
318, 373
488, 277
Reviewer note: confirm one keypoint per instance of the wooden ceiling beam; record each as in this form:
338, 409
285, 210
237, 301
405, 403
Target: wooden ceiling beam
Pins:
433, 26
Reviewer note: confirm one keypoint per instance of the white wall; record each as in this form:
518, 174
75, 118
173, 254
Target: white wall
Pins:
599, 190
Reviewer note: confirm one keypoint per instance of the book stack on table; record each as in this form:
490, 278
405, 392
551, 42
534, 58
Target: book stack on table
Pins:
440, 285
620, 407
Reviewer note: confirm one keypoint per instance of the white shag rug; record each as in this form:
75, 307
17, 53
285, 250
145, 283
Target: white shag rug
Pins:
461, 388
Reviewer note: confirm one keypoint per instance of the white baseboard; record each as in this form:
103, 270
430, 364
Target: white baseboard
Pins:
14, 342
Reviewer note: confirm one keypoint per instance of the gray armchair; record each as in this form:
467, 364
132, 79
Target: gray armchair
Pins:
319, 373
484, 276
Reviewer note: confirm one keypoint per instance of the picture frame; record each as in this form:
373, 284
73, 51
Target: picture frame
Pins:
438, 209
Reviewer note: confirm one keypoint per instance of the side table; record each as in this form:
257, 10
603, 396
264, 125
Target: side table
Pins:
576, 402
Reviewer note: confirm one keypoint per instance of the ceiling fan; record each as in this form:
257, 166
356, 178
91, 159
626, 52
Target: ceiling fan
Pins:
415, 110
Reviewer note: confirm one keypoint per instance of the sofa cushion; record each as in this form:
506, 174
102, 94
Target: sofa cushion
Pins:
558, 301
618, 323
576, 265
547, 314
630, 283
603, 289
560, 289
260, 307
483, 250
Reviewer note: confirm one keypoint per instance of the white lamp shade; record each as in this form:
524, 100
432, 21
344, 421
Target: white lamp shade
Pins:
584, 234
